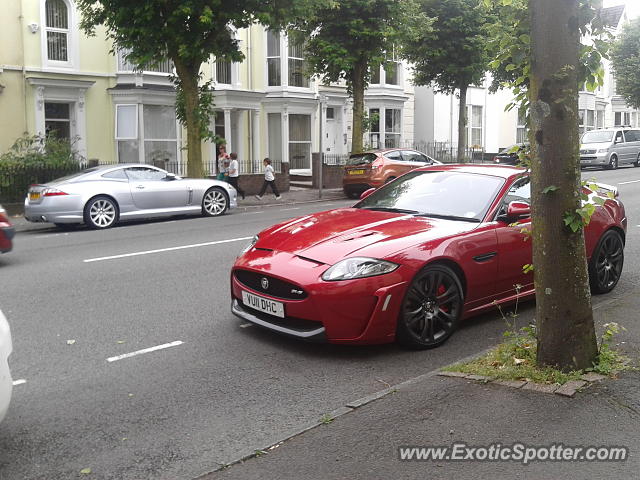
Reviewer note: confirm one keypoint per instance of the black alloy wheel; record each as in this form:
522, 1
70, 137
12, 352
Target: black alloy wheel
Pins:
613, 163
432, 308
605, 266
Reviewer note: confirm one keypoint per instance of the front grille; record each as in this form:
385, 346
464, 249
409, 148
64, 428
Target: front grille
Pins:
587, 152
276, 287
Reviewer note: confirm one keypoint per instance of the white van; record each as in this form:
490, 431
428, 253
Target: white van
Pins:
610, 147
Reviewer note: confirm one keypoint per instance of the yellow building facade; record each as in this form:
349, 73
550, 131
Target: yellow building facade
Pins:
55, 78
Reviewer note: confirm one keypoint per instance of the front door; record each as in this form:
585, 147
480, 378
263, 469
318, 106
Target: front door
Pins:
514, 244
151, 189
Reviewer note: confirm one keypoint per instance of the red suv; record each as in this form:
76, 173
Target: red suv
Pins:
377, 167
6, 232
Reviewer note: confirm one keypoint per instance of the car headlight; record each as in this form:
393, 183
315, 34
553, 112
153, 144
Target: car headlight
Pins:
358, 267
603, 150
249, 245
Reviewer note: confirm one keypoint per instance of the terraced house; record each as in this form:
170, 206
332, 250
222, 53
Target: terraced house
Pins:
55, 78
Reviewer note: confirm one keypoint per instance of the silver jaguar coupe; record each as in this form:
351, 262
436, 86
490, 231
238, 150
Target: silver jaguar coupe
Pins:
102, 196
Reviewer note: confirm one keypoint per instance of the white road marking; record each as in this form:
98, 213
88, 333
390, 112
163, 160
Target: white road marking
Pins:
170, 249
287, 209
631, 181
251, 213
145, 350
19, 382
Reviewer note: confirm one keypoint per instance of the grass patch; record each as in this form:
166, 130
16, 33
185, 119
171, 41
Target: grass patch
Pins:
515, 359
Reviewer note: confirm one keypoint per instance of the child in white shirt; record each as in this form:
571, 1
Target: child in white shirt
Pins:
269, 180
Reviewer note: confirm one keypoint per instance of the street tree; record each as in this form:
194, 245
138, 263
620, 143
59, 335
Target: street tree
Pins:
625, 60
345, 39
451, 55
187, 32
564, 317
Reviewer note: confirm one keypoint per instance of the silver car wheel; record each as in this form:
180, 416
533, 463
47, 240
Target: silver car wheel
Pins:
102, 213
214, 202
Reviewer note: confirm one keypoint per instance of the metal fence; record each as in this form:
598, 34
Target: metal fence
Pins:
246, 167
16, 179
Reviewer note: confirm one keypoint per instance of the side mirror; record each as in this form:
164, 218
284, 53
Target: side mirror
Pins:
170, 176
517, 210
366, 193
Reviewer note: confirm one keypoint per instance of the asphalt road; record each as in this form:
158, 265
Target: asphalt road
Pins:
219, 390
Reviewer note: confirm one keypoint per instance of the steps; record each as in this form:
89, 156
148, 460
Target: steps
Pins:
300, 181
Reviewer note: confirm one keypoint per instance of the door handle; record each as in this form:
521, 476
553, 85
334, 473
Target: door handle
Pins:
140, 187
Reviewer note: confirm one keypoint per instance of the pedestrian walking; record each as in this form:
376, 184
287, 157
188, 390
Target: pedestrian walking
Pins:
234, 173
269, 180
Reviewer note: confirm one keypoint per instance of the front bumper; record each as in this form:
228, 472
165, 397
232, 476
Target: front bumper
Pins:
593, 160
360, 311
281, 326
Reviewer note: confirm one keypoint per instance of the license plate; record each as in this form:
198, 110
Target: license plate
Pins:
356, 172
262, 304
34, 195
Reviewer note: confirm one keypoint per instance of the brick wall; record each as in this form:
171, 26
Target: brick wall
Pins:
331, 174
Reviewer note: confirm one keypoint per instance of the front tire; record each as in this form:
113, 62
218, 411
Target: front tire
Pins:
613, 163
605, 266
431, 309
101, 212
215, 202
637, 162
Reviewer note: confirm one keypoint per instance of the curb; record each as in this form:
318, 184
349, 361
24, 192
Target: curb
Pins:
568, 389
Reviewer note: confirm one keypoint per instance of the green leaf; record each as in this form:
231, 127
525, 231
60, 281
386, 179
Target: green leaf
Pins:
85, 471
550, 188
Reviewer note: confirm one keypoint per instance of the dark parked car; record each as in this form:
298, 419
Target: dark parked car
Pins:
511, 154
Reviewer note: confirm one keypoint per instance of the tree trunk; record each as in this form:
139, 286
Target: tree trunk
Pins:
462, 124
566, 334
189, 83
359, 72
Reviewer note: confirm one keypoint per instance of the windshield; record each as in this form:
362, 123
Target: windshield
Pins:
361, 158
439, 194
597, 137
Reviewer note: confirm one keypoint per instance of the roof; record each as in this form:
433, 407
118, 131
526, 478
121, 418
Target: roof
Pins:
611, 15
503, 171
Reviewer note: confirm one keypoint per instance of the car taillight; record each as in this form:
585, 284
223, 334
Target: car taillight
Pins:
53, 192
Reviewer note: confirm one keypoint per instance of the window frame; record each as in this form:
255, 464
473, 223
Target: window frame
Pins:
71, 37
471, 127
135, 109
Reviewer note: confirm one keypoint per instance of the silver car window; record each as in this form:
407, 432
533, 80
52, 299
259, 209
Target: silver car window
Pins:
118, 174
145, 173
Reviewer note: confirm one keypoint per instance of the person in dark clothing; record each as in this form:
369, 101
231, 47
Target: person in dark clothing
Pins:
234, 173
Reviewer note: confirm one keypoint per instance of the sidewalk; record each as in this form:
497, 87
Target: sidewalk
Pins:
363, 443
294, 196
